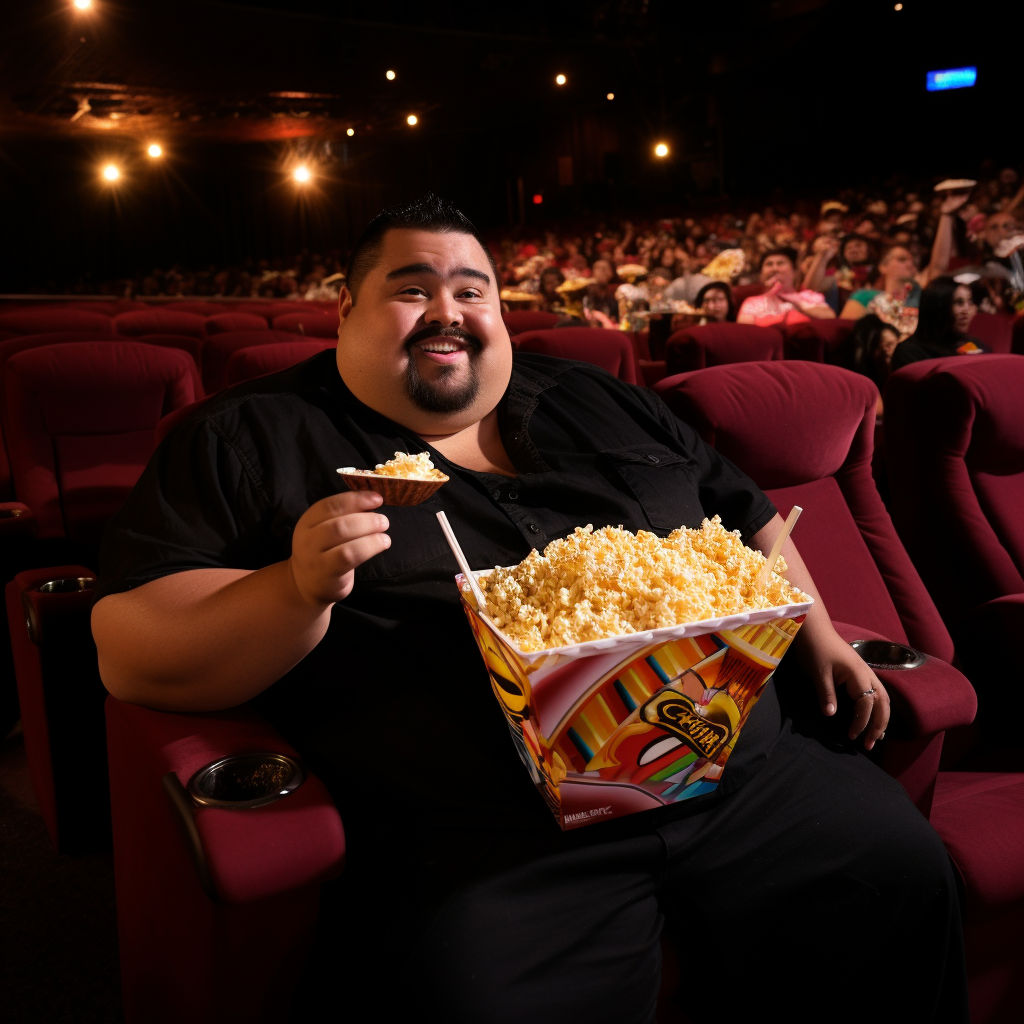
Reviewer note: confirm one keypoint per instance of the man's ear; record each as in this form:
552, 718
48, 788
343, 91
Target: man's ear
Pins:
344, 303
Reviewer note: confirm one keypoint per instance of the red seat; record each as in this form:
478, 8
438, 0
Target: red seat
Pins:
804, 431
611, 350
108, 308
219, 349
312, 323
955, 455
694, 348
744, 291
1017, 335
190, 345
819, 341
80, 427
54, 318
518, 321
196, 306
224, 322
160, 321
993, 330
247, 363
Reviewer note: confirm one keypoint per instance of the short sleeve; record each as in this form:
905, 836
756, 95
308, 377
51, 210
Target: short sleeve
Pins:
808, 297
724, 489
197, 505
864, 296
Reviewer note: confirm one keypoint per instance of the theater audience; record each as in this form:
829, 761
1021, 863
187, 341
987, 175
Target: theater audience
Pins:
551, 300
600, 296
781, 303
687, 285
946, 310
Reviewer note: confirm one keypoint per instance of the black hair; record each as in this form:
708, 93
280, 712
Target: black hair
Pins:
720, 286
786, 251
935, 323
863, 351
853, 237
428, 213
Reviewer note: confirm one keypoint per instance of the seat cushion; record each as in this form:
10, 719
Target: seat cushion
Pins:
980, 817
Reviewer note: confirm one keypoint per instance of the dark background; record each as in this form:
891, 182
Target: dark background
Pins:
758, 100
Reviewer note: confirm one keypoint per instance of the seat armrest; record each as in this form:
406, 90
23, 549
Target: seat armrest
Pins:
242, 855
926, 700
16, 519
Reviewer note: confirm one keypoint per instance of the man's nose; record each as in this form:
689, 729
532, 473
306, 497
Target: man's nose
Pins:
443, 310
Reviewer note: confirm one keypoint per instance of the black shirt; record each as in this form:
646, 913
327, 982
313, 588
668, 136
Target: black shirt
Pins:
393, 708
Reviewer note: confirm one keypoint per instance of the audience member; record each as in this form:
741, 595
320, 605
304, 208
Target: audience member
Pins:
946, 310
781, 303
715, 298
870, 347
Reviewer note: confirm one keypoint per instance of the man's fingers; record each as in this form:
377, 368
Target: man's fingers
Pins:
341, 529
827, 695
346, 557
870, 711
342, 504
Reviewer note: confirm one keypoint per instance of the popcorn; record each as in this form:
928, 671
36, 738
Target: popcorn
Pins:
409, 467
610, 582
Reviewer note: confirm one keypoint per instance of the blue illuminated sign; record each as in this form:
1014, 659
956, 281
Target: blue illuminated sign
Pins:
953, 78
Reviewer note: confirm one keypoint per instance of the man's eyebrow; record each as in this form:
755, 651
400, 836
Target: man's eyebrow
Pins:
412, 269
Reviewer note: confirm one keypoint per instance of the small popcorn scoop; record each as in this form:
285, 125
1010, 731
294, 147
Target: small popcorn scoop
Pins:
404, 480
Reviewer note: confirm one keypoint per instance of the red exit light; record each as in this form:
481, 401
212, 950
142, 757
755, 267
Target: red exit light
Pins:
538, 199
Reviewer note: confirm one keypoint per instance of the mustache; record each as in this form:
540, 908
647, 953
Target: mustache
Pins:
471, 341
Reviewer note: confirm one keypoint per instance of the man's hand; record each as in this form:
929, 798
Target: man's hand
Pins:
335, 536
832, 663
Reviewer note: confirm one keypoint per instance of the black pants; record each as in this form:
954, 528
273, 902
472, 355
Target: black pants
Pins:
815, 892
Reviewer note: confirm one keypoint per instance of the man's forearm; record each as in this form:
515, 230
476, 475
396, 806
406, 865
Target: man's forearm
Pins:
206, 639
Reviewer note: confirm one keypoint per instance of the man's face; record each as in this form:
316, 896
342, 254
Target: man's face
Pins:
424, 343
778, 268
601, 271
1000, 226
856, 250
898, 264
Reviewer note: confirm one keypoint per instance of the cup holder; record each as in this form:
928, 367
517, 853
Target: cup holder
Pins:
67, 585
11, 513
885, 654
246, 780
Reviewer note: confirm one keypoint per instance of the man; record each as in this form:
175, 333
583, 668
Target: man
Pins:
239, 569
780, 303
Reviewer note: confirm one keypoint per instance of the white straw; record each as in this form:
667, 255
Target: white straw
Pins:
773, 557
460, 557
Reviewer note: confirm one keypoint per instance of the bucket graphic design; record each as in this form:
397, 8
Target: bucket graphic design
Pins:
612, 727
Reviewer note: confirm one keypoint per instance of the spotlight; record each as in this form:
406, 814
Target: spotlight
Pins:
610, 96
538, 199
898, 7
351, 131
661, 150
83, 5
412, 120
302, 174
155, 150
389, 75
111, 172
560, 79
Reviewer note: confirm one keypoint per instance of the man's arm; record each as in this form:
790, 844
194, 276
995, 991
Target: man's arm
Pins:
210, 639
824, 655
942, 247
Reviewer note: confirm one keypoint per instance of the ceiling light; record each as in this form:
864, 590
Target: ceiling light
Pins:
351, 131
661, 150
111, 173
302, 174
389, 75
83, 5
610, 96
560, 79
412, 120
155, 150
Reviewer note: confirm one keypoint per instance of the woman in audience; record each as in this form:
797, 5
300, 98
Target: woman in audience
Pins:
898, 299
946, 311
551, 299
870, 348
716, 301
600, 296
781, 303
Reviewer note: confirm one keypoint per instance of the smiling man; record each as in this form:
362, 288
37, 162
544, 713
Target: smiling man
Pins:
239, 569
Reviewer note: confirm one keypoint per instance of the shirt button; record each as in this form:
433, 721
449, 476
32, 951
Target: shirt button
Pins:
512, 495
517, 437
653, 458
497, 495
533, 527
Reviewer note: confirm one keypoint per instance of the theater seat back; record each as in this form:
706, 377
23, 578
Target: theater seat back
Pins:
224, 322
804, 432
160, 321
247, 363
519, 321
820, 341
218, 351
994, 331
955, 455
313, 323
611, 350
82, 421
695, 348
49, 319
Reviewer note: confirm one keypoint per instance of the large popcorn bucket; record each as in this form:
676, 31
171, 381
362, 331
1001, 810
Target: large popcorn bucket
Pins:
611, 727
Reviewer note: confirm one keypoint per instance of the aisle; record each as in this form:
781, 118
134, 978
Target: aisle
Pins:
58, 932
